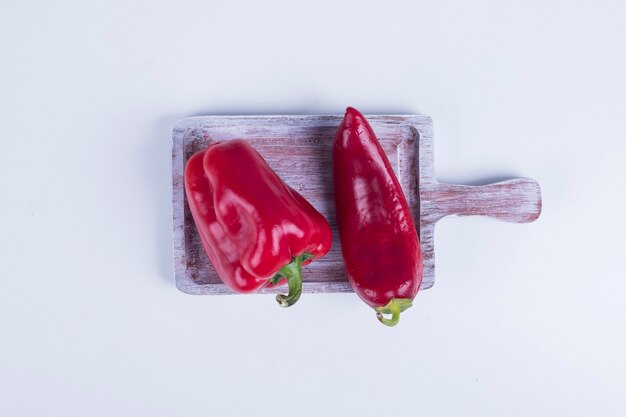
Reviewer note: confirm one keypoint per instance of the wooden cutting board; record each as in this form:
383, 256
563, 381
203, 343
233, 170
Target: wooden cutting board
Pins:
298, 148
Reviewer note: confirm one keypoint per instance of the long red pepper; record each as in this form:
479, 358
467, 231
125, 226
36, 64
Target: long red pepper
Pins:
379, 240
255, 229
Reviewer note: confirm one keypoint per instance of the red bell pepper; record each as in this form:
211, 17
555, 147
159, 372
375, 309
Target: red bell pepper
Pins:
379, 240
255, 229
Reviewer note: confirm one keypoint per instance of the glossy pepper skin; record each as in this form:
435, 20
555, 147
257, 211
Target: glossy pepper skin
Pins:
255, 229
379, 240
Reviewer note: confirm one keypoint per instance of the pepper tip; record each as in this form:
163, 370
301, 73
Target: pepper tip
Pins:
352, 116
352, 111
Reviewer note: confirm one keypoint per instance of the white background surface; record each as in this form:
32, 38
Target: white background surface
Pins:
524, 320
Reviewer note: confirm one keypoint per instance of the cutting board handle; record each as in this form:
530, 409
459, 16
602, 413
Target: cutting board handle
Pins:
515, 201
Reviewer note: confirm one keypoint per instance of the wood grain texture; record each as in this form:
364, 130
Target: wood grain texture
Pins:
298, 148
